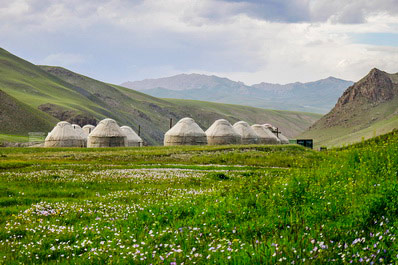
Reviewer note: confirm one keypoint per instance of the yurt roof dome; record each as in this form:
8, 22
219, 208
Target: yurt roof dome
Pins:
63, 131
185, 127
244, 129
107, 128
131, 134
221, 127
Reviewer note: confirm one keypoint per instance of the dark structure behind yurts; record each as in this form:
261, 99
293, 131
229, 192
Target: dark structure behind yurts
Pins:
221, 132
247, 134
185, 132
107, 134
63, 135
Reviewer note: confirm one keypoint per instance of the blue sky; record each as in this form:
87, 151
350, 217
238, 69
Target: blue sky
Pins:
277, 41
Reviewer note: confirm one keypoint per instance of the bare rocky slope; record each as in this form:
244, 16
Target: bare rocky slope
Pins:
366, 109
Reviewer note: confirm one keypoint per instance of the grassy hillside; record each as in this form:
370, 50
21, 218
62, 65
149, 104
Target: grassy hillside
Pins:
367, 109
70, 96
34, 87
17, 118
203, 205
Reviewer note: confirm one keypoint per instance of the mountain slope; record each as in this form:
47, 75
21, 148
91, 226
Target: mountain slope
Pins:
159, 111
366, 109
318, 96
18, 118
70, 96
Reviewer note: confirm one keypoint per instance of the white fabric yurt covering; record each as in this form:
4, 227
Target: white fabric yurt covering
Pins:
80, 131
282, 138
107, 134
185, 132
265, 136
270, 127
88, 128
63, 135
222, 132
247, 134
132, 137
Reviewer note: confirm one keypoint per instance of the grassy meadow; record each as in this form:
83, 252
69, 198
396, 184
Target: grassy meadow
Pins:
196, 205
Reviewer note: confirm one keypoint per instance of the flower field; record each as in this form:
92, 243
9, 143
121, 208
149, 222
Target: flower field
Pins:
200, 205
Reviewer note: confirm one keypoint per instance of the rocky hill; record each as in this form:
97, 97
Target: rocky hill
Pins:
366, 109
319, 96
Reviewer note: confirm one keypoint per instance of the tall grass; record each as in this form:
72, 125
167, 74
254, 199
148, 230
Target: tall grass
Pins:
336, 206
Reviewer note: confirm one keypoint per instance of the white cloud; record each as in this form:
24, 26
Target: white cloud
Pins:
229, 38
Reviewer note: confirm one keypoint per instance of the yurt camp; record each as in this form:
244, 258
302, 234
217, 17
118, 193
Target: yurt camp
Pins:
88, 128
281, 137
265, 136
247, 134
107, 134
80, 131
185, 132
221, 132
63, 135
132, 137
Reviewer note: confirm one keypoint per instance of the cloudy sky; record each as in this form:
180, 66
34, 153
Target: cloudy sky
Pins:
277, 41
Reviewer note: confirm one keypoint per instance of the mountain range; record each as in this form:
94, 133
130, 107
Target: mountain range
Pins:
319, 96
34, 98
366, 109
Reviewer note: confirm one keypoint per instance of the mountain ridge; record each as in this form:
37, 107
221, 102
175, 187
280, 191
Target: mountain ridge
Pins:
292, 96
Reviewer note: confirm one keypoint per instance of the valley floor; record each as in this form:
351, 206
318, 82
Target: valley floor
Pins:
211, 204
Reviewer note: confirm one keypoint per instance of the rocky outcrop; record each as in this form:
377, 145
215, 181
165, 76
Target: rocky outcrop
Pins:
68, 115
377, 87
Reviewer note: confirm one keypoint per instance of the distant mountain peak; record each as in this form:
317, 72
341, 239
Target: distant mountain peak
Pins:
375, 88
317, 96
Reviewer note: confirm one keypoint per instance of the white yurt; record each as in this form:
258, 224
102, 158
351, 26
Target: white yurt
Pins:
270, 127
80, 131
265, 136
88, 128
221, 132
132, 137
282, 138
185, 132
107, 134
63, 135
247, 134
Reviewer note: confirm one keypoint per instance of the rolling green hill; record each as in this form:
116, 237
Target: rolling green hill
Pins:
69, 96
29, 119
365, 110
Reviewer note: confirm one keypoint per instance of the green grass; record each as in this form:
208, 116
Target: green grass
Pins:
206, 204
13, 138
